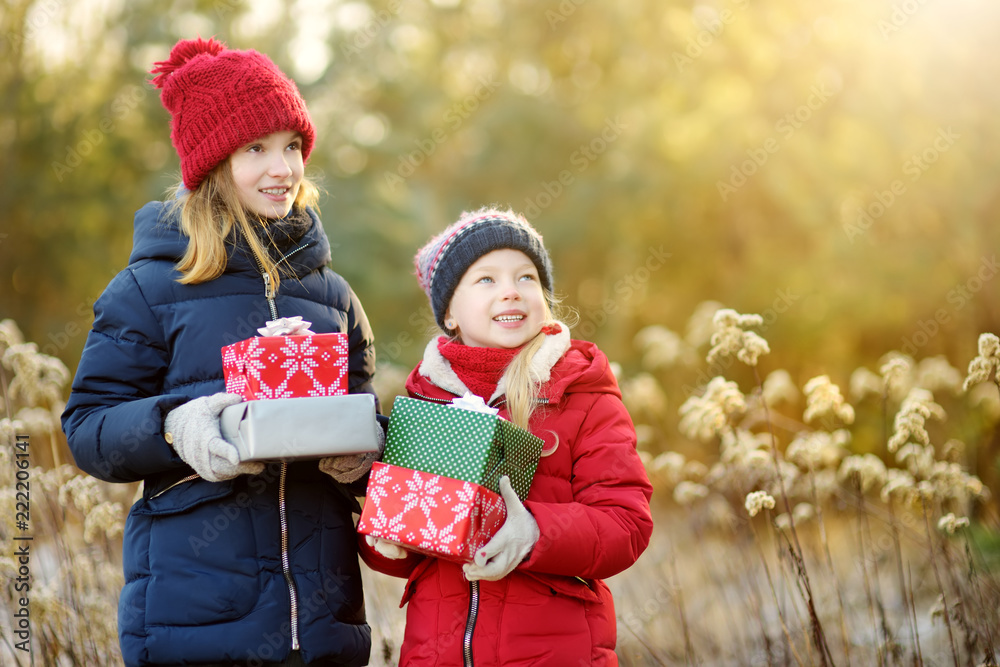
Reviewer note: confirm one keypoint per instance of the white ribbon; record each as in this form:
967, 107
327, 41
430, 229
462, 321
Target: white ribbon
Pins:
472, 403
286, 326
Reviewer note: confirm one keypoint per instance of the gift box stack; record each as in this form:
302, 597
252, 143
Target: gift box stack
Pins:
436, 489
294, 383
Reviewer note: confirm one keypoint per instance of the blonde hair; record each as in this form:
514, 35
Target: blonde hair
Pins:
522, 383
209, 214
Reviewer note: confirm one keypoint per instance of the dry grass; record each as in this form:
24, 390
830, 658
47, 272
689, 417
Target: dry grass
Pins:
905, 573
699, 596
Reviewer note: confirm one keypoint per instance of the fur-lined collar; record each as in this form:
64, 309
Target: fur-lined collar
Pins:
438, 370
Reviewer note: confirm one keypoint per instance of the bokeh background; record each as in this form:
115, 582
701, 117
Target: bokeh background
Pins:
754, 142
833, 167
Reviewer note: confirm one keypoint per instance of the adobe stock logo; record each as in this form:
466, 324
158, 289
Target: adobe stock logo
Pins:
77, 153
741, 172
914, 167
958, 297
585, 155
365, 35
457, 114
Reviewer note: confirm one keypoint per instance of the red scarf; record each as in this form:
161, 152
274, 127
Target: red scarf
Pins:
479, 368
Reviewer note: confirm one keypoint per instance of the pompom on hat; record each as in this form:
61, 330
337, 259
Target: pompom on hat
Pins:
220, 99
442, 262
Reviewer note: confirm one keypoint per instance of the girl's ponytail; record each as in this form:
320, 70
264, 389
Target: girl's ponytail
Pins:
522, 383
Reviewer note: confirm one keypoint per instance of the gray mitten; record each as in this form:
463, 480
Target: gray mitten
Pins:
349, 468
512, 543
192, 429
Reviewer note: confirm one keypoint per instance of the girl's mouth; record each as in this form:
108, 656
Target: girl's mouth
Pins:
275, 194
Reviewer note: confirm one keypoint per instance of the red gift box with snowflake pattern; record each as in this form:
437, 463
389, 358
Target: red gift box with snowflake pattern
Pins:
439, 516
293, 366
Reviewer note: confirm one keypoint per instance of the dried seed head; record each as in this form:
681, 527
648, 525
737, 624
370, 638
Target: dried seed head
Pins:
989, 345
758, 500
10, 335
104, 520
643, 394
669, 466
662, 348
82, 491
743, 448
730, 338
802, 512
38, 378
899, 484
937, 374
908, 425
864, 383
986, 366
823, 399
686, 493
779, 388
897, 374
703, 417
868, 470
818, 449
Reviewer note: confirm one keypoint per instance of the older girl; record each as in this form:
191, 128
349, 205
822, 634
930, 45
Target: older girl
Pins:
226, 562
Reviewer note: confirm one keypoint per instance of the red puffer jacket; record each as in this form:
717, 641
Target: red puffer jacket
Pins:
590, 497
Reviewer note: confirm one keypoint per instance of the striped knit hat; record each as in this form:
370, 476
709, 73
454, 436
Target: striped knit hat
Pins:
442, 262
221, 99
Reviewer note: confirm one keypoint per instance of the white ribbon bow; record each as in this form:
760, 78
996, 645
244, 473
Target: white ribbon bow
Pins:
472, 403
286, 326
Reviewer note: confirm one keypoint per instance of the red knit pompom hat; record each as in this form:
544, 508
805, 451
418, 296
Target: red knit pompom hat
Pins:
221, 99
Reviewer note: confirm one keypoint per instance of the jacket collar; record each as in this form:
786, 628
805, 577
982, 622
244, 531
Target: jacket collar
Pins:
157, 235
438, 370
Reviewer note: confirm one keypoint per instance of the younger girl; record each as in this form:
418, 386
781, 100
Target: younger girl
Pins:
226, 562
534, 595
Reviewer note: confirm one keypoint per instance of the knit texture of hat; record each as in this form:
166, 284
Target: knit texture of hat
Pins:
442, 262
220, 99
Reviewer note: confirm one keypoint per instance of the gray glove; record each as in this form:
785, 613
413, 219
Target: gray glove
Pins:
192, 429
385, 547
512, 543
349, 468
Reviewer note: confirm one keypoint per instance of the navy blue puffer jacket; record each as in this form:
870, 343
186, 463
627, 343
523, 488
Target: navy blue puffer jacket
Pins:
204, 574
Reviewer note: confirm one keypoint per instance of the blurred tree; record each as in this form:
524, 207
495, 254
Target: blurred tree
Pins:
832, 167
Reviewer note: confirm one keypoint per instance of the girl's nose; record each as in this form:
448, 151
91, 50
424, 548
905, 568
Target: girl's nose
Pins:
279, 167
510, 292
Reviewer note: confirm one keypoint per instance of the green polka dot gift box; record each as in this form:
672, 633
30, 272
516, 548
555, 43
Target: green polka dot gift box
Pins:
476, 447
439, 516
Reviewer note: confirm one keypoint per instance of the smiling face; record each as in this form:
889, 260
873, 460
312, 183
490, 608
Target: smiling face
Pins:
499, 302
268, 173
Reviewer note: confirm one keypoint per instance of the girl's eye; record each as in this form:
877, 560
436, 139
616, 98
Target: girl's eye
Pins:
485, 279
527, 276
295, 146
255, 148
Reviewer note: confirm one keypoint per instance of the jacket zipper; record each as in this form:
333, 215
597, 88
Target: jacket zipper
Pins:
286, 568
177, 483
470, 623
266, 277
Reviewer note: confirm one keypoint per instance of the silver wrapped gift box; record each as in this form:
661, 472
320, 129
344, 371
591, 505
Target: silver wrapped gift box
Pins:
302, 428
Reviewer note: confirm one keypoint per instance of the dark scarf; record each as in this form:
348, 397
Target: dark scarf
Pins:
479, 368
279, 235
